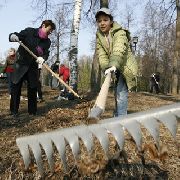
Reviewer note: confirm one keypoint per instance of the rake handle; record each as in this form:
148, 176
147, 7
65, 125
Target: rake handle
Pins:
49, 69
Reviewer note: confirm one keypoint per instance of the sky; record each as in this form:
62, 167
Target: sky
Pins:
16, 15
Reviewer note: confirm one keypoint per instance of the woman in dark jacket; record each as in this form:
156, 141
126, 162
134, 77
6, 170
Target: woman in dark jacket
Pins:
26, 66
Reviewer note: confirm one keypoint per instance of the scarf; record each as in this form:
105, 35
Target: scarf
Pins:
42, 34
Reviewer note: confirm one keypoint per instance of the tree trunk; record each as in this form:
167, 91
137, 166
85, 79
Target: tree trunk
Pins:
95, 75
175, 87
74, 45
58, 50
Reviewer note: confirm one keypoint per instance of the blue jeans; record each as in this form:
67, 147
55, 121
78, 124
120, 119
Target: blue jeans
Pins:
121, 97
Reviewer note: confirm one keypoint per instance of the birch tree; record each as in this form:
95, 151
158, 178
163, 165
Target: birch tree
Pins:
74, 45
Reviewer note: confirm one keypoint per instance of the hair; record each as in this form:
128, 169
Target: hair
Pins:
48, 23
12, 49
103, 13
57, 62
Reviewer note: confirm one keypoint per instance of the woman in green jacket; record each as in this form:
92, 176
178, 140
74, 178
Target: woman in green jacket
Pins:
115, 56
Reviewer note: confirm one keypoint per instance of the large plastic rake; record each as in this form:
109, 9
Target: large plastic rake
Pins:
168, 115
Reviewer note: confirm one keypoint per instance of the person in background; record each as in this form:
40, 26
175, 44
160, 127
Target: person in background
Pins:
154, 82
55, 67
115, 56
9, 67
64, 74
54, 83
26, 66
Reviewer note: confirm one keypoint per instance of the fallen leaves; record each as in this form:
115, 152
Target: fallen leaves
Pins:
160, 153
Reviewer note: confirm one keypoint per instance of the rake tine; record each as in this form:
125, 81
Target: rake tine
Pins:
24, 150
169, 120
117, 132
30, 142
133, 127
86, 136
102, 136
46, 143
36, 149
73, 141
152, 126
60, 144
176, 113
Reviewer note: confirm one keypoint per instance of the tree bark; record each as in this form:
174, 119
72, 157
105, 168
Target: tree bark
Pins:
95, 75
74, 45
175, 86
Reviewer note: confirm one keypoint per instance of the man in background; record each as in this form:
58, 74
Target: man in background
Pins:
154, 82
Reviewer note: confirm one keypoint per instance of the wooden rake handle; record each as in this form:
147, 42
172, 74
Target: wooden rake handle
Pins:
49, 69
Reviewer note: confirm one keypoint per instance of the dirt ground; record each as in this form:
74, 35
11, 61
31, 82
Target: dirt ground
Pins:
53, 114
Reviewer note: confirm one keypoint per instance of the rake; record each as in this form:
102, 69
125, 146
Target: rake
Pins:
100, 103
167, 115
49, 69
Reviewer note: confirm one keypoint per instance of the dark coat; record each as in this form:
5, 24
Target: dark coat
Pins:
25, 62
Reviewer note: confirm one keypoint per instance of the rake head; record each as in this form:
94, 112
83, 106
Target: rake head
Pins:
167, 115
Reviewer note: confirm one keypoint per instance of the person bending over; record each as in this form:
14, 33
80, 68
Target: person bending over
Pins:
26, 66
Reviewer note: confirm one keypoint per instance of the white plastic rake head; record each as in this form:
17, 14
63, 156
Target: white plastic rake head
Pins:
149, 119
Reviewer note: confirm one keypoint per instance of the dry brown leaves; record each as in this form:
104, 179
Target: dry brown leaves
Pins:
67, 114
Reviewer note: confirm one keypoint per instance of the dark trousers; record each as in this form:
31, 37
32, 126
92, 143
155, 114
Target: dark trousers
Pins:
9, 74
39, 90
154, 87
16, 93
39, 87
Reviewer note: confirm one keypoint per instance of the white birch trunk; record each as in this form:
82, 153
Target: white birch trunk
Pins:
74, 45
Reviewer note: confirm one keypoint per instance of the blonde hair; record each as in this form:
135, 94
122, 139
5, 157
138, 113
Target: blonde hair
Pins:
12, 49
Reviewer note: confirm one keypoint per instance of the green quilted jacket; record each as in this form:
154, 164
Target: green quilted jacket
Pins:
117, 53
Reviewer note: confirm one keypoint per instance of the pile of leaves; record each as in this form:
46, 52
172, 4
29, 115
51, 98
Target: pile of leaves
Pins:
53, 114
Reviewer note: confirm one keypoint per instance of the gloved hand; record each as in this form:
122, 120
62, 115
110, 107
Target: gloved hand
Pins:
40, 60
110, 70
1, 75
14, 38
